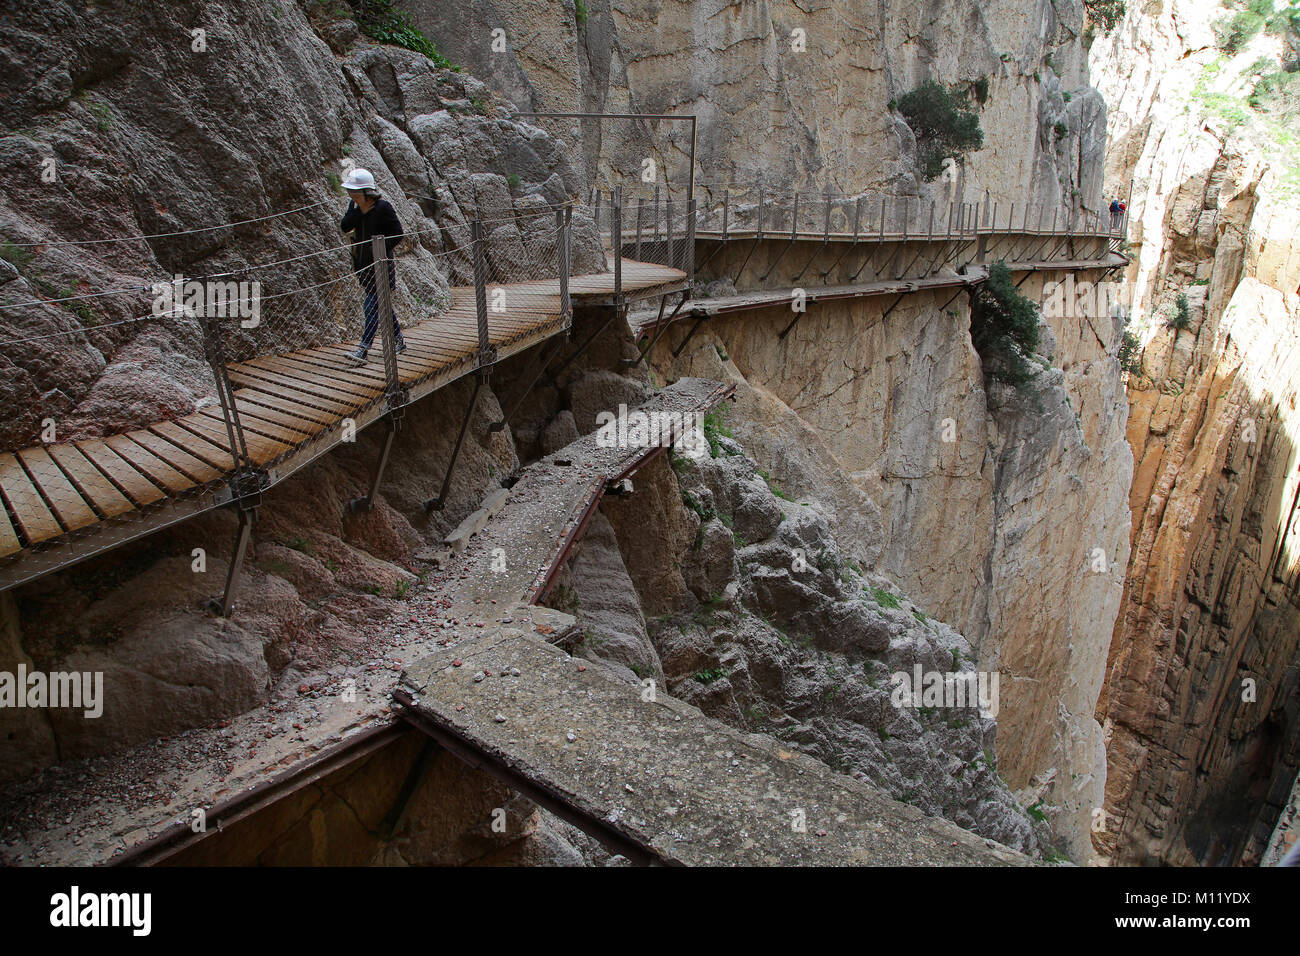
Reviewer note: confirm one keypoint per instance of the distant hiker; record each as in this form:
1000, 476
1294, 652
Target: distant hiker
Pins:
1114, 214
370, 215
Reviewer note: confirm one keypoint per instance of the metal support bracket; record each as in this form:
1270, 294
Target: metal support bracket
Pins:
367, 502
661, 327
437, 504
678, 351
246, 489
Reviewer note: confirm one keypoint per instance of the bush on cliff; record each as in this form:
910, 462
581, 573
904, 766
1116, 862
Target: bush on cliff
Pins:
943, 126
381, 20
1105, 13
1004, 328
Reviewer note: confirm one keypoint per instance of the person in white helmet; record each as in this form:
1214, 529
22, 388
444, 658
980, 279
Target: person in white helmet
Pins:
368, 215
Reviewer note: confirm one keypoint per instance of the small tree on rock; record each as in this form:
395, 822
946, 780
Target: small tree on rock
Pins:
1004, 328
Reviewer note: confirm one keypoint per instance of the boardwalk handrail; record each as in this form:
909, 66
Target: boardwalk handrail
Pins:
285, 390
731, 210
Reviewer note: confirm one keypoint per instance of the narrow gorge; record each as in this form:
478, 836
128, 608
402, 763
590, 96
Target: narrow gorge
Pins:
936, 405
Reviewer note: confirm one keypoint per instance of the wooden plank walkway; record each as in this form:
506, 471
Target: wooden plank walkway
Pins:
290, 405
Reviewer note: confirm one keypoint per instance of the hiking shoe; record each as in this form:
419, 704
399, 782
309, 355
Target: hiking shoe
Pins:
358, 354
401, 345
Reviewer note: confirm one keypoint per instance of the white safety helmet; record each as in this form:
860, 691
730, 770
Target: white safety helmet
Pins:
359, 179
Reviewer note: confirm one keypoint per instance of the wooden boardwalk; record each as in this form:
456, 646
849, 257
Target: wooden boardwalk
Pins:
291, 407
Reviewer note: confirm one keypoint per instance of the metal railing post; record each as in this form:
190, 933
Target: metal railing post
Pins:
563, 221
726, 211
485, 356
216, 355
246, 482
384, 299
640, 212
671, 253
616, 227
690, 244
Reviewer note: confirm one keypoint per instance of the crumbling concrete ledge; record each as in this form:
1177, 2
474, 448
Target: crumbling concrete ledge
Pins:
686, 788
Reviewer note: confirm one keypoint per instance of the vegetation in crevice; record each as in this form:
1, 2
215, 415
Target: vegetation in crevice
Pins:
944, 126
381, 20
1130, 352
1004, 328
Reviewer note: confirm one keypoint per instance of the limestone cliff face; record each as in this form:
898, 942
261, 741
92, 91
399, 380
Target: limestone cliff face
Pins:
1200, 700
814, 117
1014, 532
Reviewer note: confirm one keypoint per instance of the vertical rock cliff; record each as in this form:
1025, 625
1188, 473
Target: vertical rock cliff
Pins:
1015, 532
1200, 703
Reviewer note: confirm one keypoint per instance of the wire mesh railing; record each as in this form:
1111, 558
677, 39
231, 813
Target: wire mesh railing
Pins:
650, 228
727, 210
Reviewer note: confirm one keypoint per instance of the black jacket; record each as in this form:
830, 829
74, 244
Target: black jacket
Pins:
380, 221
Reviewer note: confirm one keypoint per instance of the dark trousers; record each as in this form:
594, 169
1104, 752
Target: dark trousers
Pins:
372, 314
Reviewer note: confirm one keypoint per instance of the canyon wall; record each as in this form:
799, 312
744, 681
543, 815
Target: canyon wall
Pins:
1003, 515
796, 93
1015, 530
1200, 705
263, 120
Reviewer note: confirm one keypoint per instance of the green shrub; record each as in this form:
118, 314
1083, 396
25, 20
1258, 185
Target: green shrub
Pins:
1104, 13
16, 256
1130, 353
1004, 328
980, 87
944, 127
690, 501
1060, 129
580, 12
710, 675
884, 598
714, 427
1250, 18
381, 20
1182, 316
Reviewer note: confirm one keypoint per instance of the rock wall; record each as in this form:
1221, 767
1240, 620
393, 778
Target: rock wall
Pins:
1014, 532
1200, 705
814, 117
760, 621
146, 135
